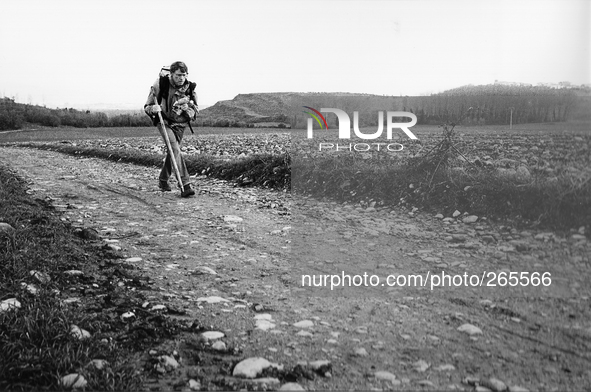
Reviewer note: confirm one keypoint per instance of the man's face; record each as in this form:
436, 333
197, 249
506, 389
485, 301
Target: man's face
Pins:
179, 77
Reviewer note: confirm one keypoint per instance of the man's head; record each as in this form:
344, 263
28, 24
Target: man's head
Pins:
179, 72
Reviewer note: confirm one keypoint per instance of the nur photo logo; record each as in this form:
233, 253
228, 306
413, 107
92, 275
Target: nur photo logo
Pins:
345, 129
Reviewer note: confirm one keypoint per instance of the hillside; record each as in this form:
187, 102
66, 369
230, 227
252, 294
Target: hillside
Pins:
492, 104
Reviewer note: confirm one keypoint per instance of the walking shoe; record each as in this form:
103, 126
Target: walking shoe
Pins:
164, 187
187, 191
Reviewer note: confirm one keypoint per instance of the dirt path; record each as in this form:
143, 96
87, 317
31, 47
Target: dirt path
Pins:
259, 244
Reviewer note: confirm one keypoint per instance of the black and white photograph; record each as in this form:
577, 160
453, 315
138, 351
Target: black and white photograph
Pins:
295, 195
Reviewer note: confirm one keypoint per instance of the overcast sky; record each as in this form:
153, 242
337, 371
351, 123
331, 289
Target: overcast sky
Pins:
78, 53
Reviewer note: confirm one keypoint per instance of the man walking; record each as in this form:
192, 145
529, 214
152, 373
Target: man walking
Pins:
175, 98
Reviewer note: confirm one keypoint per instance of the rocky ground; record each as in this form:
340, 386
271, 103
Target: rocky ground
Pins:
232, 259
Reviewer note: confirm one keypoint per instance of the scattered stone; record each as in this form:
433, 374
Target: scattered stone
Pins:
8, 304
361, 352
29, 288
304, 324
212, 299
385, 376
98, 364
251, 367
470, 329
305, 334
79, 332
264, 324
203, 270
291, 386
232, 219
265, 382
167, 363
456, 214
73, 273
494, 384
445, 368
127, 316
133, 259
219, 346
426, 383
194, 385
421, 366
439, 216
5, 227
73, 381
523, 172
321, 367
212, 335
158, 307
41, 277
470, 219
516, 388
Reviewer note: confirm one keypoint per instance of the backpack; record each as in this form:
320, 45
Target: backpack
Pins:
163, 87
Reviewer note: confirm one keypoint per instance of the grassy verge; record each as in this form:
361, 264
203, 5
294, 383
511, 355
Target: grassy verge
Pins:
38, 346
265, 170
559, 205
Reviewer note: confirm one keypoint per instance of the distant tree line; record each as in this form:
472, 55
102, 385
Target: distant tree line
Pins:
14, 115
491, 104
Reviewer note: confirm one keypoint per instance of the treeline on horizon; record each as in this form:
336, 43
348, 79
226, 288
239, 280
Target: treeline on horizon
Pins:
491, 105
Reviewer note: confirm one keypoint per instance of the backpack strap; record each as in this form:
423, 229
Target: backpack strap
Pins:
163, 87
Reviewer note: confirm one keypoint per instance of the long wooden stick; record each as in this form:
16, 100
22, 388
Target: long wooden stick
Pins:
170, 152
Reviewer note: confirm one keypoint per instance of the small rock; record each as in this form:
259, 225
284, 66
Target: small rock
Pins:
212, 299
127, 316
265, 382
291, 386
73, 381
73, 273
251, 367
194, 385
232, 219
79, 332
29, 288
212, 335
445, 368
426, 383
439, 216
5, 227
470, 329
168, 362
494, 384
470, 219
304, 324
8, 304
321, 366
421, 366
361, 352
133, 259
516, 388
219, 346
41, 277
456, 214
264, 325
386, 376
203, 270
98, 364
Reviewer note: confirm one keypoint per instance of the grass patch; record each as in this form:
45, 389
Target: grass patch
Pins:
441, 179
38, 347
264, 170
